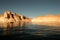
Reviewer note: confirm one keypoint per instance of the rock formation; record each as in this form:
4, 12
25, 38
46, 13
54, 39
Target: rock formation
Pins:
11, 17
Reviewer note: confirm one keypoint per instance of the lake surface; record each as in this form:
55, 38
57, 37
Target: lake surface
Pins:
28, 31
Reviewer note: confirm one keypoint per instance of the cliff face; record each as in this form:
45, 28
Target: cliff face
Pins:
8, 16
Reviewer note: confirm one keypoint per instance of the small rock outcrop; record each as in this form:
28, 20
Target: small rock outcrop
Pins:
9, 16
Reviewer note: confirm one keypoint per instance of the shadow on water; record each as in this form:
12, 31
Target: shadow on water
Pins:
28, 31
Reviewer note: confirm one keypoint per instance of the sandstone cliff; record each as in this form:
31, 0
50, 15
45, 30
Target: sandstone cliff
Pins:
11, 17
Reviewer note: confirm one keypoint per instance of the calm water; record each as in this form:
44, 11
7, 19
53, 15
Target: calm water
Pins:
29, 31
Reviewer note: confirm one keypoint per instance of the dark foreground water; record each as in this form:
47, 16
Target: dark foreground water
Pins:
30, 32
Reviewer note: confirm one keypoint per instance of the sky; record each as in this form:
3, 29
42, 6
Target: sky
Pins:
31, 8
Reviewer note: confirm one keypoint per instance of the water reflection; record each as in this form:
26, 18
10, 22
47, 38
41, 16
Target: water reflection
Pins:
42, 30
11, 28
28, 28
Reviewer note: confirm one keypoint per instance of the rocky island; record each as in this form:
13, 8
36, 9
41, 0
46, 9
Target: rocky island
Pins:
10, 17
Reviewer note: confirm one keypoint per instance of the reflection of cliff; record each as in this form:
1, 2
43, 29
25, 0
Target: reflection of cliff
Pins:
15, 24
11, 28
